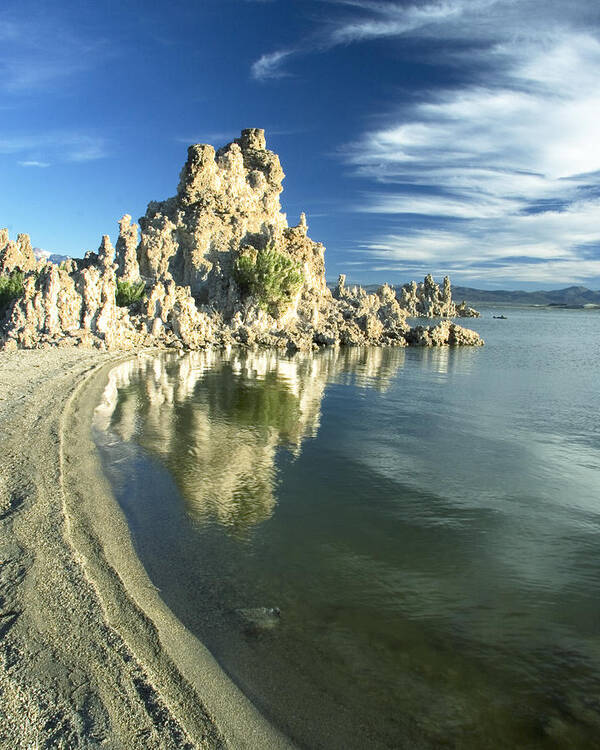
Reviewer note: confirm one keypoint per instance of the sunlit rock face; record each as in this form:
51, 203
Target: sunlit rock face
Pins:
226, 200
217, 420
70, 307
176, 282
17, 255
128, 268
428, 300
444, 333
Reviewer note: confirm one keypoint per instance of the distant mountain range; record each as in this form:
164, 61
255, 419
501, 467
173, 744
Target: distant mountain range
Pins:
572, 296
49, 257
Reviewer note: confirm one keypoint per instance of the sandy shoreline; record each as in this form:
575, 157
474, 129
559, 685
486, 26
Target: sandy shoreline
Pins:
89, 654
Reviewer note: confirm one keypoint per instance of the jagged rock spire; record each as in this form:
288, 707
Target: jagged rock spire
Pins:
126, 250
17, 254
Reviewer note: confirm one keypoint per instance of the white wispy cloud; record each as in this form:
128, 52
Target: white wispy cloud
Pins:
397, 19
34, 163
478, 206
377, 20
552, 246
271, 65
42, 150
502, 159
39, 50
496, 176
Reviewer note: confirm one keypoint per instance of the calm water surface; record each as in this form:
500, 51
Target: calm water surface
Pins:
427, 521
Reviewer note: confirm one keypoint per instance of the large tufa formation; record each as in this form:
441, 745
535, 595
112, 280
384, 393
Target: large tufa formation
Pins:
227, 201
186, 262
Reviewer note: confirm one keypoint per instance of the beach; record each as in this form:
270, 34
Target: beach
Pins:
89, 654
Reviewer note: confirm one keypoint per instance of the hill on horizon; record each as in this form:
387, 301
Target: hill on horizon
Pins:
571, 296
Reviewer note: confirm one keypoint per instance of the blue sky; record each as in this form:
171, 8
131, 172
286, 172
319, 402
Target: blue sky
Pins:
459, 136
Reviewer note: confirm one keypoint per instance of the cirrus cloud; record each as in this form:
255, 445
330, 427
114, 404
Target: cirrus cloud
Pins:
498, 175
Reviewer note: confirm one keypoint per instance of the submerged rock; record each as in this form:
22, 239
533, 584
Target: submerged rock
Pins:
260, 618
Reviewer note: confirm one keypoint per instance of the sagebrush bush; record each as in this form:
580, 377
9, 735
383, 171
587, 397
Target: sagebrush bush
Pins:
129, 292
270, 276
11, 287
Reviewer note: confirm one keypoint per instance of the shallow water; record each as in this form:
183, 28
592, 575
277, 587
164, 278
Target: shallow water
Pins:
427, 521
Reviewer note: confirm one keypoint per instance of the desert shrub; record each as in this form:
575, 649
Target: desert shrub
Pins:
11, 287
270, 276
129, 292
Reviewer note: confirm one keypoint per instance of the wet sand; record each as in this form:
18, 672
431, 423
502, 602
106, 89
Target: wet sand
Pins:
89, 654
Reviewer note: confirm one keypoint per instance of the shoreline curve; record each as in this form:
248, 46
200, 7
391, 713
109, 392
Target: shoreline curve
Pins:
101, 658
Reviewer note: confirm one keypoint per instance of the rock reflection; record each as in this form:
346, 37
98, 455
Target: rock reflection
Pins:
216, 419
443, 360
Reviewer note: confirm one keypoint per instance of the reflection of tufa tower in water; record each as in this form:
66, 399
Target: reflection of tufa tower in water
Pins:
217, 419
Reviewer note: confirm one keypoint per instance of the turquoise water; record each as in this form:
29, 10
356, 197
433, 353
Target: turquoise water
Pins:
427, 521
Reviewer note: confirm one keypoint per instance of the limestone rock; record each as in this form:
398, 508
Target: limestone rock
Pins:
340, 290
226, 206
225, 199
463, 311
49, 307
67, 306
158, 245
309, 255
106, 253
126, 251
172, 308
16, 255
427, 300
444, 333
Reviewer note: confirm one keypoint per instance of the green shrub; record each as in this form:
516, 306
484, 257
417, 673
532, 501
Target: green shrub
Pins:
11, 287
270, 276
129, 292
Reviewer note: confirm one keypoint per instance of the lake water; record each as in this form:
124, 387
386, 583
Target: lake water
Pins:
426, 520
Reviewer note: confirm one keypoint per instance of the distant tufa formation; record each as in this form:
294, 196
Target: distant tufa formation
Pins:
227, 206
427, 300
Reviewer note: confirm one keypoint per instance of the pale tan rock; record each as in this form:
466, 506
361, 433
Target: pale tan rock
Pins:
126, 251
463, 311
444, 333
459, 336
427, 300
158, 245
225, 199
193, 328
309, 255
89, 286
106, 253
16, 255
340, 290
